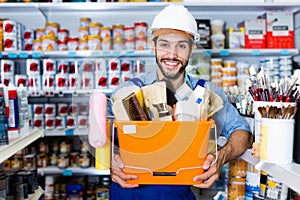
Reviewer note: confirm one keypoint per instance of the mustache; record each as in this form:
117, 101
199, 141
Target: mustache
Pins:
170, 59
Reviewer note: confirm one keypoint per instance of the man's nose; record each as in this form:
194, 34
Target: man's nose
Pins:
173, 52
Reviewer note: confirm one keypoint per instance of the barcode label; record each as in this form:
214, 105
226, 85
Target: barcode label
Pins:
11, 119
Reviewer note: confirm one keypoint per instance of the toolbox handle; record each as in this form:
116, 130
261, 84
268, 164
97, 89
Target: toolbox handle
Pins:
162, 173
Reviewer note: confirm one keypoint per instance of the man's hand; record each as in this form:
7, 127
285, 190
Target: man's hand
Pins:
211, 173
118, 176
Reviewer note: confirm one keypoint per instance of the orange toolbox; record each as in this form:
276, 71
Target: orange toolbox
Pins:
163, 152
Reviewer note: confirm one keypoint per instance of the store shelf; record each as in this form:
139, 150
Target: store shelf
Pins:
202, 5
67, 132
74, 54
61, 93
71, 171
9, 150
249, 52
247, 156
289, 174
143, 53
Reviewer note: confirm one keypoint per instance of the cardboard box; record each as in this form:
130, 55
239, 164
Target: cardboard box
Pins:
280, 29
236, 39
255, 34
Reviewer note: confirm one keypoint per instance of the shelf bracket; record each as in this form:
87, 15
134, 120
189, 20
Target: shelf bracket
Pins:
42, 12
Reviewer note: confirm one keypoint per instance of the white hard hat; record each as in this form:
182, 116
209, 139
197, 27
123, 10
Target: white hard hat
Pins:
175, 17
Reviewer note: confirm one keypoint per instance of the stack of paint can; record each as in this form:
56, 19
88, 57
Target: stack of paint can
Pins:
237, 179
252, 182
216, 71
100, 74
12, 35
28, 36
7, 71
140, 29
271, 188
87, 67
33, 67
229, 77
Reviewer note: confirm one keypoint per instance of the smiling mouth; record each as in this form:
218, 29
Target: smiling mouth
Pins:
171, 62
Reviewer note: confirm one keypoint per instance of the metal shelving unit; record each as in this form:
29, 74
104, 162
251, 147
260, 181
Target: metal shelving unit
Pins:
288, 174
69, 13
143, 53
66, 132
19, 144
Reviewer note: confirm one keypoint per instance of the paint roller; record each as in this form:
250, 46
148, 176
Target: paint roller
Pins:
97, 119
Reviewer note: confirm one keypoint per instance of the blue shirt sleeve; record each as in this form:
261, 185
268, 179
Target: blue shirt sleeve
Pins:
227, 119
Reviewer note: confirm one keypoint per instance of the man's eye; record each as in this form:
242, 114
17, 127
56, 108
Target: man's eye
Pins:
163, 45
182, 46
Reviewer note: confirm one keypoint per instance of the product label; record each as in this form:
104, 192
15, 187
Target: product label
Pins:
264, 134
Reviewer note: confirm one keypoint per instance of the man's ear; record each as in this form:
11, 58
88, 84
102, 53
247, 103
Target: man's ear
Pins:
192, 48
153, 46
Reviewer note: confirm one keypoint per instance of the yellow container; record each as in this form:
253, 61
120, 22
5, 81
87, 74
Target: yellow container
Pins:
103, 153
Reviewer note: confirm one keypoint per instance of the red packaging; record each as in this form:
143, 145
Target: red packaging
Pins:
101, 81
49, 122
62, 109
280, 29
255, 33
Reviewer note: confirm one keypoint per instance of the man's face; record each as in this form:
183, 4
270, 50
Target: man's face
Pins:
172, 54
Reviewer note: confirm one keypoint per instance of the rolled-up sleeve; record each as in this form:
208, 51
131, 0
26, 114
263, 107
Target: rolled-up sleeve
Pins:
227, 119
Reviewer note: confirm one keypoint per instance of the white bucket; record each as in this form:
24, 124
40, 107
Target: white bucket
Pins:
257, 116
276, 140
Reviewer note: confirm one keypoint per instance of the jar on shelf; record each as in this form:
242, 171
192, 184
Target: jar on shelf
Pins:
63, 161
94, 28
51, 29
85, 21
29, 161
74, 159
84, 160
53, 160
42, 161
94, 42
105, 35
73, 44
49, 43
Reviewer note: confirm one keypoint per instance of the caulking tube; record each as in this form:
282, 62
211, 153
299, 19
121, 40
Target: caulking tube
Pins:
13, 119
3, 117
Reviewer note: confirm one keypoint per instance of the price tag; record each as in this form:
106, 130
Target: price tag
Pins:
69, 132
130, 53
72, 54
116, 53
67, 172
95, 54
207, 52
285, 52
105, 53
36, 55
12, 55
224, 53
256, 53
23, 55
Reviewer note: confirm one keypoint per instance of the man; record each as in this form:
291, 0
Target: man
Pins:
174, 32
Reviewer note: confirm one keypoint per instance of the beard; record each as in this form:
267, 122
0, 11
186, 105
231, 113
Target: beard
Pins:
171, 75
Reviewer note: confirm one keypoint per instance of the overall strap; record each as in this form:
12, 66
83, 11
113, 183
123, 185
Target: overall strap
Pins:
137, 82
200, 82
